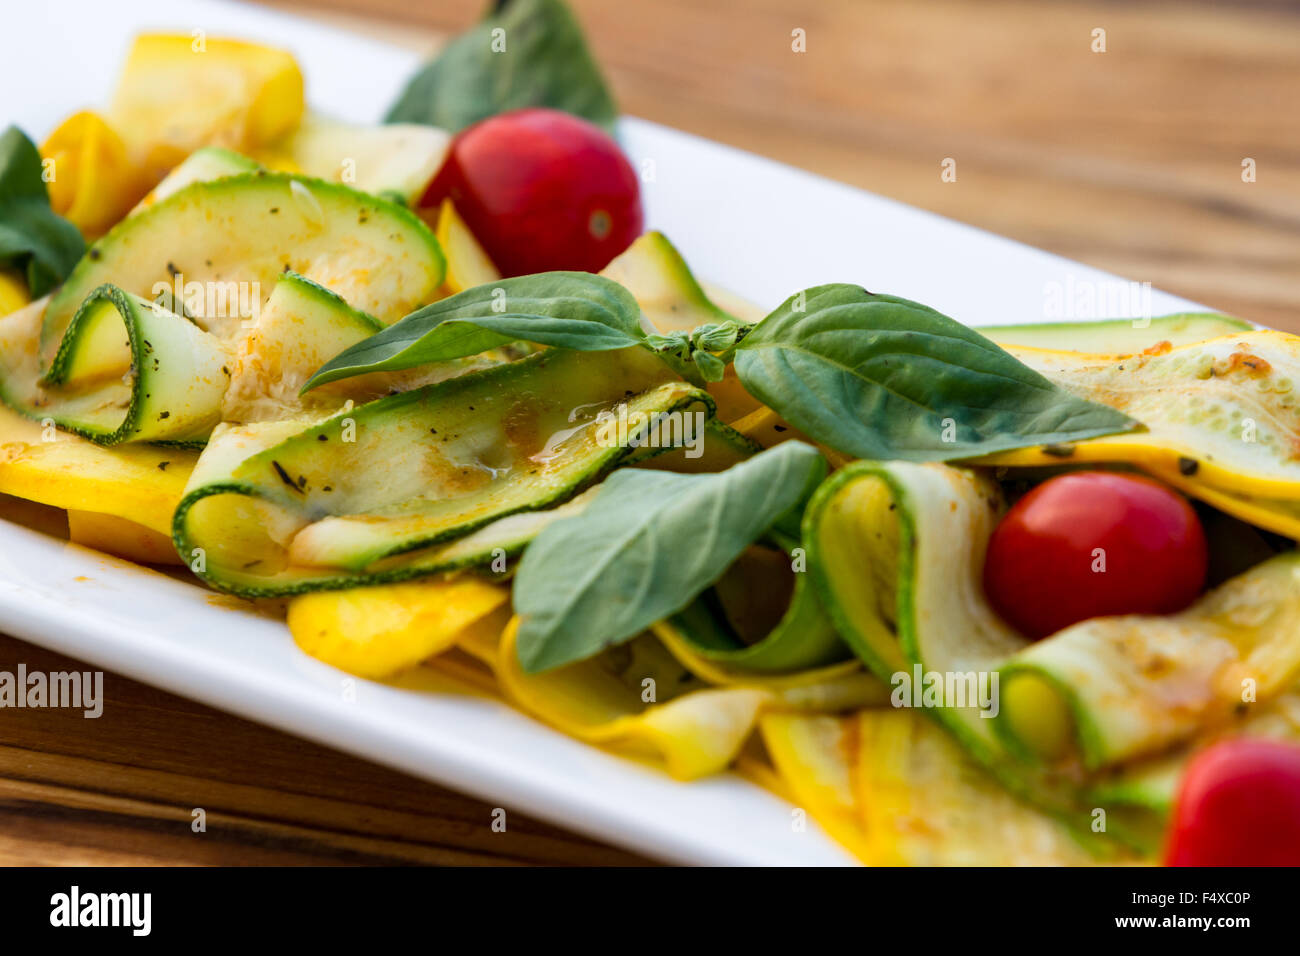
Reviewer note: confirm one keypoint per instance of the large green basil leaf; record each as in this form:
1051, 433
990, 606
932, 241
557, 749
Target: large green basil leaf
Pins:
33, 237
876, 376
524, 53
572, 310
648, 545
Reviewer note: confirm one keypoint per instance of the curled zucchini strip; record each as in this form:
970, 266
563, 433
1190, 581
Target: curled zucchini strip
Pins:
225, 251
802, 638
637, 699
1153, 783
896, 550
916, 536
1124, 687
126, 370
233, 236
835, 688
1222, 420
393, 489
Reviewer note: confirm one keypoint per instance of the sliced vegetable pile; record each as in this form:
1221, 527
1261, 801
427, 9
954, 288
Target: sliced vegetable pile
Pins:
1026, 595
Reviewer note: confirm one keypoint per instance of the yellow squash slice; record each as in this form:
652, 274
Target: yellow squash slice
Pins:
378, 632
126, 539
924, 802
813, 755
13, 292
1222, 420
95, 179
139, 483
467, 264
896, 790
610, 700
180, 92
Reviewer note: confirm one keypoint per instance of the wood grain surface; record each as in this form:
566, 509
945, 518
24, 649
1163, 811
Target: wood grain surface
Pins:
123, 788
1130, 160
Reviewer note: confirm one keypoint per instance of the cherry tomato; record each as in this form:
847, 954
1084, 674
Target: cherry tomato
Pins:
1239, 805
1090, 544
541, 190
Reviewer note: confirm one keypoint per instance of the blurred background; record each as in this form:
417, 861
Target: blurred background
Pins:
1129, 159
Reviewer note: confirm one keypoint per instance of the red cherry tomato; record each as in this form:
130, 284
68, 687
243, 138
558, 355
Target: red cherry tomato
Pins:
1239, 805
541, 190
1090, 544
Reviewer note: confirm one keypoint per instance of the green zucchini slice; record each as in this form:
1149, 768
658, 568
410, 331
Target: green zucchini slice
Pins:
299, 328
397, 159
718, 448
373, 493
166, 379
130, 370
1133, 686
1221, 421
230, 238
201, 166
715, 624
893, 546
670, 297
1117, 336
127, 370
896, 552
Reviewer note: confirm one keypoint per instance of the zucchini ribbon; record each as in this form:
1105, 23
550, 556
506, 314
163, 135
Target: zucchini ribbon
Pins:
1092, 724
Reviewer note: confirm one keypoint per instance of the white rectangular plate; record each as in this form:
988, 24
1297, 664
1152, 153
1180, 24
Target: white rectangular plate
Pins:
751, 225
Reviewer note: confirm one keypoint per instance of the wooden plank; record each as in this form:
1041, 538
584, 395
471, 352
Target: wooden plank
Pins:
122, 789
1129, 160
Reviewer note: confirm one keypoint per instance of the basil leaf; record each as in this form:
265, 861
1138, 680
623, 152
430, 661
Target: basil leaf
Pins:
876, 376
525, 53
572, 310
648, 545
32, 236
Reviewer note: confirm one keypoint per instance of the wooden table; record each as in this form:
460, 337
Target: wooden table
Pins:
1130, 160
